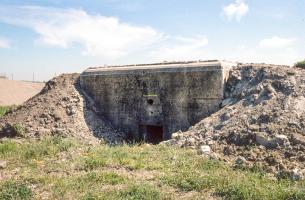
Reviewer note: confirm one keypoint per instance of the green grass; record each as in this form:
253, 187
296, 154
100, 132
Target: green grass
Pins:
3, 110
35, 149
142, 191
65, 168
300, 64
15, 191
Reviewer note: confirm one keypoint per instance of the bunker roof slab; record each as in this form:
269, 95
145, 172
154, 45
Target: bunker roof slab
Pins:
209, 65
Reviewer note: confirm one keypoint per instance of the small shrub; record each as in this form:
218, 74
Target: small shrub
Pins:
300, 64
19, 130
15, 191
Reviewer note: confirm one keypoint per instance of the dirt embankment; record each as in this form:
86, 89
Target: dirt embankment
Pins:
59, 109
261, 122
17, 92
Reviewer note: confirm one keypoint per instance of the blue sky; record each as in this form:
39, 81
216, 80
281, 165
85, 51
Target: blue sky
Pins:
52, 36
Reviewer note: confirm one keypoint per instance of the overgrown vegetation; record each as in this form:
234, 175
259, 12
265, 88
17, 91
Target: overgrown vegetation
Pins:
300, 64
3, 110
64, 168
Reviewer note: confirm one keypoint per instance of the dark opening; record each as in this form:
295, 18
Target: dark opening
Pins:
152, 134
150, 101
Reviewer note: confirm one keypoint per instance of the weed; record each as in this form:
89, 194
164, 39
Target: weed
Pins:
19, 130
143, 192
15, 191
109, 178
187, 181
91, 163
7, 147
300, 64
49, 146
3, 110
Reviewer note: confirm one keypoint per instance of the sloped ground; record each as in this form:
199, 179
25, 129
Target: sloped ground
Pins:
59, 109
261, 124
17, 92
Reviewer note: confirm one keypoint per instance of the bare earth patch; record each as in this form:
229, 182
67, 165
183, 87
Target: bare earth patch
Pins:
17, 92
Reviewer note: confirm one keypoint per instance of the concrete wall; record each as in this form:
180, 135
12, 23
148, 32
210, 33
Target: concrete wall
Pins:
174, 96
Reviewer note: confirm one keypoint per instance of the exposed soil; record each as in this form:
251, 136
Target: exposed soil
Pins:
17, 92
261, 122
59, 109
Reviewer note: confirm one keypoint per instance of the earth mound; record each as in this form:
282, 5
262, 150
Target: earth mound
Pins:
261, 122
59, 109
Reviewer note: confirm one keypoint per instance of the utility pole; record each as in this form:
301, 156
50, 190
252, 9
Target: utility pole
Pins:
33, 77
12, 76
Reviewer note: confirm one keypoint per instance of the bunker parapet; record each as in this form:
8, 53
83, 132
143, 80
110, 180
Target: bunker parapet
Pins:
151, 101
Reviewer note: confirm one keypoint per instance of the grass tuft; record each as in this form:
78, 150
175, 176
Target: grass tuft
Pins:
15, 191
3, 110
187, 181
143, 192
300, 64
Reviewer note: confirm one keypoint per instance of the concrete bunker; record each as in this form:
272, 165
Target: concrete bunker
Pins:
151, 101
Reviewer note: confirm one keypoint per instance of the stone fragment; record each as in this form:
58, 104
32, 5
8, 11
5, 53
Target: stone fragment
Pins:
3, 164
71, 111
240, 160
278, 140
296, 175
205, 149
56, 115
176, 135
298, 139
227, 150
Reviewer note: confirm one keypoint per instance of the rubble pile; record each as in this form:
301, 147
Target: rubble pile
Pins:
61, 108
261, 122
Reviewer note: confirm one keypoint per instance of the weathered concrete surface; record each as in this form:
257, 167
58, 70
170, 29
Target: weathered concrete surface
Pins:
145, 99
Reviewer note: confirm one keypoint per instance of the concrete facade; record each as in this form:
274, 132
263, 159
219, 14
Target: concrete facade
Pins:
152, 101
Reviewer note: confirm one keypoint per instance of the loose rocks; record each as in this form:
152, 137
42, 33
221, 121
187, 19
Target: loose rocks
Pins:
261, 119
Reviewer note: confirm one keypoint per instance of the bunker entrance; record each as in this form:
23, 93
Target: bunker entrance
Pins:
151, 133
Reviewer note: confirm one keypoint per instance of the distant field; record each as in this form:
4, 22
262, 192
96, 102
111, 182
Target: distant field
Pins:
16, 92
64, 168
